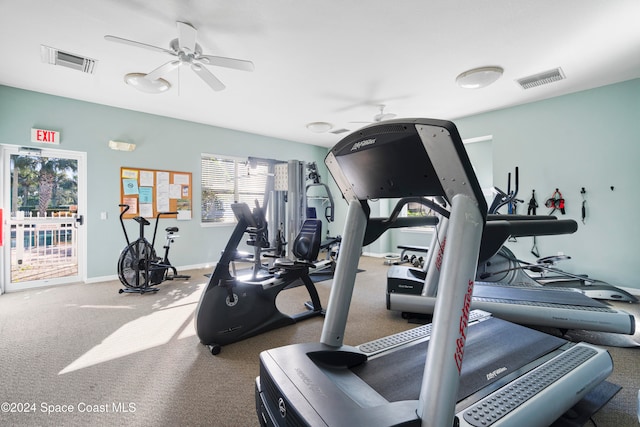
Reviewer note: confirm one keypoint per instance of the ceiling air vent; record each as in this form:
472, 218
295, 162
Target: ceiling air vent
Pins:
541, 78
339, 131
54, 56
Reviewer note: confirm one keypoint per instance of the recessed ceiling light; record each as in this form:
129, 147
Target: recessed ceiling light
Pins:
319, 127
142, 83
479, 77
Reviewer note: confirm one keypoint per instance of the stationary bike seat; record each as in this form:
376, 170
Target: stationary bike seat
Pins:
171, 229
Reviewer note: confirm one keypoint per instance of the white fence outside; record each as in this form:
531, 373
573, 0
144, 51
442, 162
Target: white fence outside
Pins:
43, 247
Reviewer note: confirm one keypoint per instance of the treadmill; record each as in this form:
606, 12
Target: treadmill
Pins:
467, 368
413, 290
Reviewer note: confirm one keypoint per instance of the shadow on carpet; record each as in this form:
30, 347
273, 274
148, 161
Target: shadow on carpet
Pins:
580, 414
321, 277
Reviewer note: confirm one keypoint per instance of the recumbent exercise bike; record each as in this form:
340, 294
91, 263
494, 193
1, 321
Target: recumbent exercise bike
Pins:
235, 307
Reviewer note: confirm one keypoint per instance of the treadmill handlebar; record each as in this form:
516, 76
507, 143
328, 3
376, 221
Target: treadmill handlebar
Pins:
521, 228
377, 226
497, 232
498, 217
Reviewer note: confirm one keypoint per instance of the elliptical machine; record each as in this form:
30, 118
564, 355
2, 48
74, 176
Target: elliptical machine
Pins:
505, 267
234, 307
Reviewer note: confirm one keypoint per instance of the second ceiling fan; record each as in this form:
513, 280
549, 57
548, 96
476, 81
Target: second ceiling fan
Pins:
380, 116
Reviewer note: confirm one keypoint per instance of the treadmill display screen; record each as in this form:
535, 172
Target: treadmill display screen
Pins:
388, 164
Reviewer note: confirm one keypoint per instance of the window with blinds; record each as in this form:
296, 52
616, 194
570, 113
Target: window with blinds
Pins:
227, 180
417, 210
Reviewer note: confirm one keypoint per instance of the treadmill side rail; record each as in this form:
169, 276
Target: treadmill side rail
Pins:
550, 312
539, 395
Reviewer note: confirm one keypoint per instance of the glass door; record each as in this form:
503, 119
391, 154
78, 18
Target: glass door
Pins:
43, 217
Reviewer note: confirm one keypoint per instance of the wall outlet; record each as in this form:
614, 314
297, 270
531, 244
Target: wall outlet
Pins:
103, 215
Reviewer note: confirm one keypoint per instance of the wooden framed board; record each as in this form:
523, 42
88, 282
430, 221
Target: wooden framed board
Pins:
150, 191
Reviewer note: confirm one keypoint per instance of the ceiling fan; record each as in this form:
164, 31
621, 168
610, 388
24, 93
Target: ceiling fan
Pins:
380, 116
186, 52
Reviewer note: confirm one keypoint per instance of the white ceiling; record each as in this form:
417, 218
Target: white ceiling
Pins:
331, 60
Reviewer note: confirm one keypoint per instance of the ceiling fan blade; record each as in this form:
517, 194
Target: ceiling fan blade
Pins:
186, 36
209, 78
137, 44
383, 116
221, 61
163, 69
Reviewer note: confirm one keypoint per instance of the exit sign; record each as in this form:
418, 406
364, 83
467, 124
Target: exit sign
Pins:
45, 136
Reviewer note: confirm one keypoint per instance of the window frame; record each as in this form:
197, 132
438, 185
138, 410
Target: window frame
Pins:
424, 211
235, 192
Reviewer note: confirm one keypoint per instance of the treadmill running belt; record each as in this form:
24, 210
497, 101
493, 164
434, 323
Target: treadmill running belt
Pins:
494, 348
535, 295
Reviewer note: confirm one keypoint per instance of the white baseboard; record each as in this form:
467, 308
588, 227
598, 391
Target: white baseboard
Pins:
98, 279
379, 255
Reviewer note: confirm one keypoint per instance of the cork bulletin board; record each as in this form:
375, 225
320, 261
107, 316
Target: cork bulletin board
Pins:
150, 191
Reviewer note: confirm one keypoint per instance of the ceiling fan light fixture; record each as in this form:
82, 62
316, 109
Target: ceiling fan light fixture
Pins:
143, 84
479, 77
185, 51
319, 127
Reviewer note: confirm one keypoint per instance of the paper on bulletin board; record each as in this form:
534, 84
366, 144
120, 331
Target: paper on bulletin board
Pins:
145, 194
162, 192
175, 191
146, 179
133, 205
146, 210
130, 186
163, 178
162, 204
130, 174
180, 179
183, 206
184, 215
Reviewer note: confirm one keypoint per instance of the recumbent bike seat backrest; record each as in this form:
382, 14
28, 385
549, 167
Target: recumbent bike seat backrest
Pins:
306, 245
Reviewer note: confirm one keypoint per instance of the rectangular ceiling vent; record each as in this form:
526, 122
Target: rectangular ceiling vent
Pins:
54, 56
541, 78
339, 131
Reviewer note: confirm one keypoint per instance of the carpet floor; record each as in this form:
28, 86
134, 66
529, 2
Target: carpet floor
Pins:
79, 355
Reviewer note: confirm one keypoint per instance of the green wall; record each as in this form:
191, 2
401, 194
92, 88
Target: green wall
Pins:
588, 139
162, 143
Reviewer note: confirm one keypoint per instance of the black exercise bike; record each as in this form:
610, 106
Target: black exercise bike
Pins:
234, 307
139, 268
